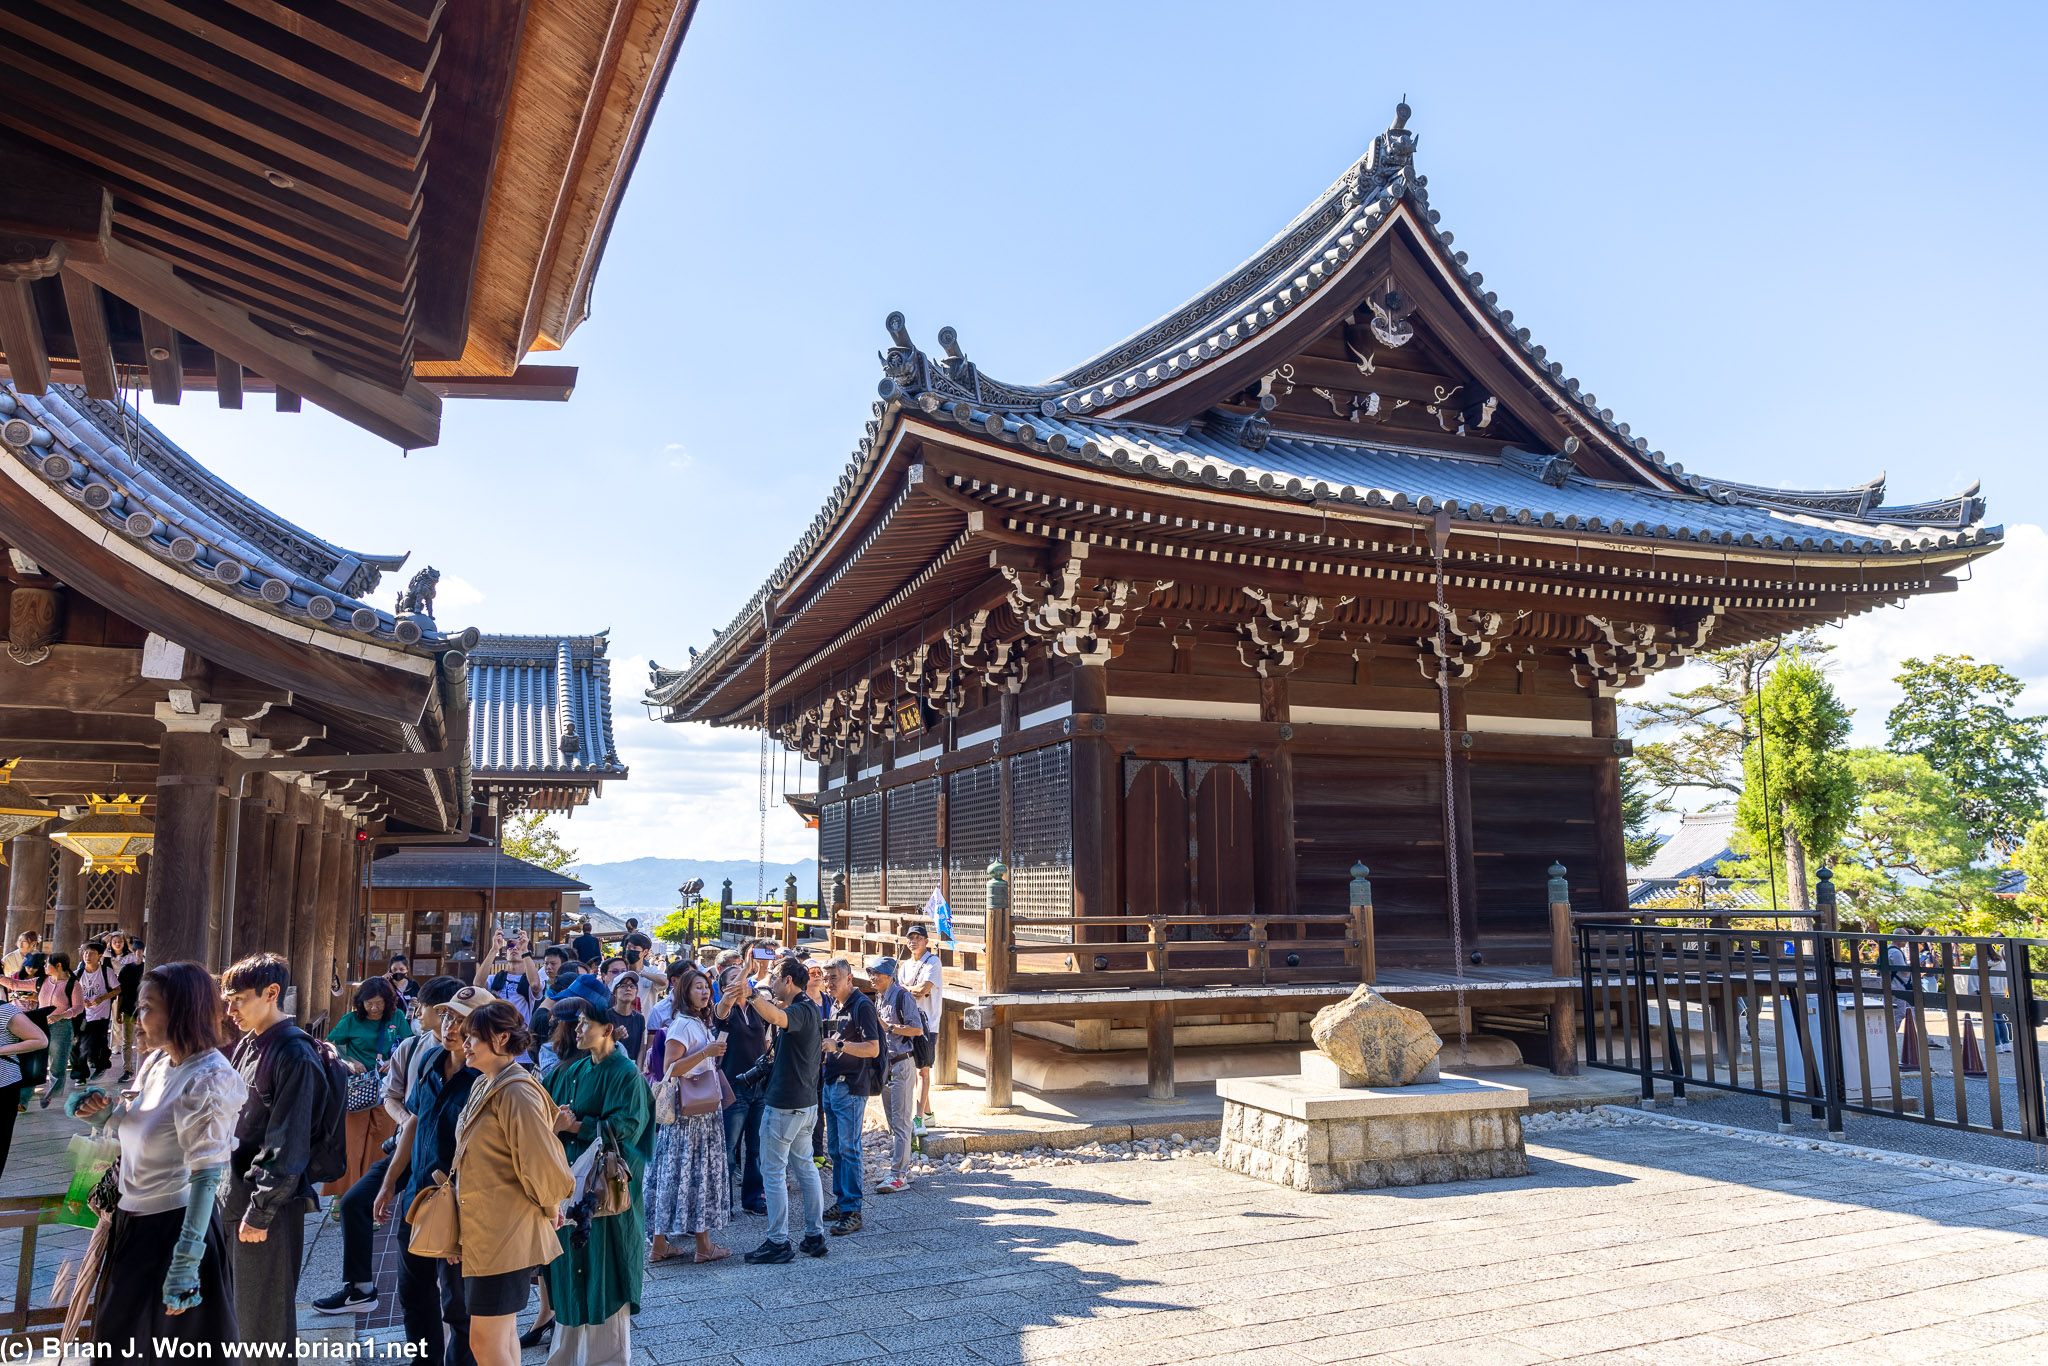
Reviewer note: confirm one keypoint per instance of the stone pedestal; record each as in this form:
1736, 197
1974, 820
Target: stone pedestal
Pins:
1313, 1136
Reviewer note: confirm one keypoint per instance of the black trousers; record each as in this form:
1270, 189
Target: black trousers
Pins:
359, 1227
91, 1056
131, 1317
429, 1295
10, 1099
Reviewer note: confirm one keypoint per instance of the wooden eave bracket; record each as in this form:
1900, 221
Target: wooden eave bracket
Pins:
408, 418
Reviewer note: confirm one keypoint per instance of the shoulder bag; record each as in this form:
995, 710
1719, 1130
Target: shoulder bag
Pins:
436, 1220
614, 1178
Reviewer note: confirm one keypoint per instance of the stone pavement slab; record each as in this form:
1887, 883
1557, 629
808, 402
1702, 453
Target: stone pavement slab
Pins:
1626, 1244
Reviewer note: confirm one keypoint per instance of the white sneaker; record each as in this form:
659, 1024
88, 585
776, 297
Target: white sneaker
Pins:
892, 1186
2004, 1048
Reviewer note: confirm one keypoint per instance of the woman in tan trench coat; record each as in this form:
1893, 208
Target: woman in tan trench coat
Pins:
510, 1178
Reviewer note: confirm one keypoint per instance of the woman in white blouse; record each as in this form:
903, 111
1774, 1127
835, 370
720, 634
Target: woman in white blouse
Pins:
168, 1271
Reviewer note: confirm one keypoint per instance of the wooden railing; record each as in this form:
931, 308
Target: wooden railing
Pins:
26, 1324
1034, 953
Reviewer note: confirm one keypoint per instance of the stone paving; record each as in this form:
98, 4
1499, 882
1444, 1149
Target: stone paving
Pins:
1628, 1244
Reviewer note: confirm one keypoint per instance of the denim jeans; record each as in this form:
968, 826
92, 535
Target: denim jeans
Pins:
843, 1115
786, 1152
743, 1136
62, 1032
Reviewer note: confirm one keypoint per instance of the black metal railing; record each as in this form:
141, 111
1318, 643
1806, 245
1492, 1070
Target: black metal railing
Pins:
1835, 1020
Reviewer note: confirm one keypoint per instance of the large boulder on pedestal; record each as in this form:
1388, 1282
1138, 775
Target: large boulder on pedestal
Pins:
1376, 1041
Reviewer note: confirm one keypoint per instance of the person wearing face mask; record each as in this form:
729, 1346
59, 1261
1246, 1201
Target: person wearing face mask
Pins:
595, 1288
167, 1275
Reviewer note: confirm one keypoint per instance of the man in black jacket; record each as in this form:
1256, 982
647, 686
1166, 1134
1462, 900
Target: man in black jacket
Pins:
268, 1194
853, 1042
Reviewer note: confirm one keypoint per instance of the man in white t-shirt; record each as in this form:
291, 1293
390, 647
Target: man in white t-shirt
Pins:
924, 977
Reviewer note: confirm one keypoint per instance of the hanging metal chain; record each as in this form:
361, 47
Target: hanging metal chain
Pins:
1452, 857
767, 678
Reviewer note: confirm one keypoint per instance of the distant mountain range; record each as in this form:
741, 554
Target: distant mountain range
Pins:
646, 886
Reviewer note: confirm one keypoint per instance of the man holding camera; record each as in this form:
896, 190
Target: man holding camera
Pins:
853, 1045
790, 1112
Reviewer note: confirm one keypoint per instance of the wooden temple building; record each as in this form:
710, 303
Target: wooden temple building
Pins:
1272, 648
540, 727
371, 205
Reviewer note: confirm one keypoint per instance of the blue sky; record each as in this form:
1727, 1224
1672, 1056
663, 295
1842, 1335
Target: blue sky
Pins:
1790, 245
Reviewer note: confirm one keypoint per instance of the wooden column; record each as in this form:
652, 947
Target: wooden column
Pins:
1609, 845
1458, 840
946, 1056
305, 909
252, 867
187, 825
1159, 1051
334, 849
131, 899
1564, 1033
67, 909
997, 1098
1097, 794
1273, 848
272, 923
28, 884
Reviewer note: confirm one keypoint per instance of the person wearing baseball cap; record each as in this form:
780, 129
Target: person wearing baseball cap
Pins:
901, 1023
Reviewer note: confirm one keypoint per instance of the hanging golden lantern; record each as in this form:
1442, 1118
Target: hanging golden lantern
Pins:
20, 810
111, 836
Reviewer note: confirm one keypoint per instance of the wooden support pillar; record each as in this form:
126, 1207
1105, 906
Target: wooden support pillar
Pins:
1609, 846
324, 979
67, 909
271, 926
187, 829
1564, 1033
28, 885
1361, 922
1159, 1051
131, 899
1564, 955
252, 869
1097, 798
995, 1069
305, 909
946, 1056
1458, 837
1273, 851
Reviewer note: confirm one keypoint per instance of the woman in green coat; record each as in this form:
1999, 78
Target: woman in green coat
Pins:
595, 1289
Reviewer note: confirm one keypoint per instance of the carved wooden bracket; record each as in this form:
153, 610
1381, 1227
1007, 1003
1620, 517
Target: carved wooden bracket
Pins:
1466, 639
1085, 617
1008, 664
34, 616
1286, 628
1630, 651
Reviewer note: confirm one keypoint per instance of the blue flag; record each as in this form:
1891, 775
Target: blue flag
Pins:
941, 914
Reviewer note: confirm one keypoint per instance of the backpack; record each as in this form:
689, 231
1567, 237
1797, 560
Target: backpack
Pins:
873, 1078
327, 1155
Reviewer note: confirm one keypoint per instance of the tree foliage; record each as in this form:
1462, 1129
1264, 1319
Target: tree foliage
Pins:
1907, 855
2027, 914
1797, 789
1706, 727
529, 836
688, 924
1638, 807
1958, 715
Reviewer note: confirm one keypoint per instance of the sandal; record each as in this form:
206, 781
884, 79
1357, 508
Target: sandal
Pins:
717, 1253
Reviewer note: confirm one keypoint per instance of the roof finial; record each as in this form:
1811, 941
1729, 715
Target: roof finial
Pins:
1401, 113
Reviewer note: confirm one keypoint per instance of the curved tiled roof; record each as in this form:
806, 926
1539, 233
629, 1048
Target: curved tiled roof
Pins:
141, 487
1074, 417
542, 705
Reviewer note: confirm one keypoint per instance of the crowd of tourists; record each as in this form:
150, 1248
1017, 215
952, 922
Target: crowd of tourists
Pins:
560, 1120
